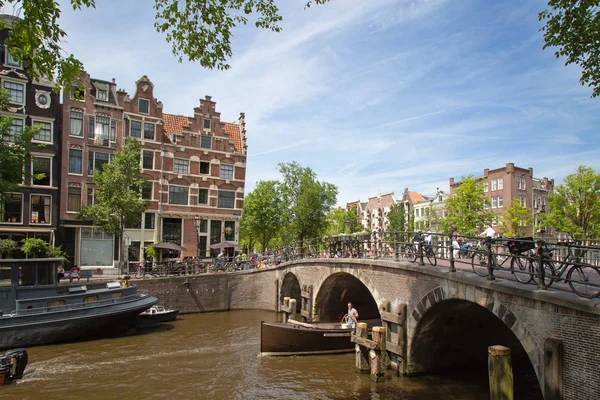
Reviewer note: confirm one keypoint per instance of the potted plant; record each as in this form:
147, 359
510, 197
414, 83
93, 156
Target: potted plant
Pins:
7, 246
34, 247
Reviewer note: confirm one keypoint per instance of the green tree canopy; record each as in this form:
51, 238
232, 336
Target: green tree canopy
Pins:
574, 207
466, 208
264, 212
307, 199
119, 195
199, 30
14, 151
352, 218
516, 220
574, 27
336, 217
397, 218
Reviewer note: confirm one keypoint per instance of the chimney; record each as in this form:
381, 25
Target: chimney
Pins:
510, 167
486, 172
113, 80
531, 172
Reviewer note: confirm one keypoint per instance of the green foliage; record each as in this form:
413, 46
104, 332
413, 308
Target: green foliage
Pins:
397, 218
7, 247
150, 252
574, 207
201, 30
56, 252
336, 218
307, 199
14, 151
516, 220
466, 208
264, 213
34, 247
574, 27
119, 195
352, 217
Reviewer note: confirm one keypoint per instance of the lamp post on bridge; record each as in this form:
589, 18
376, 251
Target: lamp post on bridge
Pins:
197, 224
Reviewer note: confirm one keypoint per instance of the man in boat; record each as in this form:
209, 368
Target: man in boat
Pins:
351, 317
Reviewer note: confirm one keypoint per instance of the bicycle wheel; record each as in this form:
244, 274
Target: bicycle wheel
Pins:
549, 272
431, 257
412, 254
521, 269
479, 262
584, 280
163, 270
139, 272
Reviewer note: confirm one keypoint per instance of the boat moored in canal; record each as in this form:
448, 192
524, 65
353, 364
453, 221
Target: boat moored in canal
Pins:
153, 316
36, 310
295, 338
12, 365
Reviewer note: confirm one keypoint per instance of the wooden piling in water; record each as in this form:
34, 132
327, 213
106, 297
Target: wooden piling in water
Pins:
500, 373
362, 353
378, 355
293, 309
284, 309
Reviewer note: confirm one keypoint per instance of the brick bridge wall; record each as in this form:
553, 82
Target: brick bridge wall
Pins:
532, 315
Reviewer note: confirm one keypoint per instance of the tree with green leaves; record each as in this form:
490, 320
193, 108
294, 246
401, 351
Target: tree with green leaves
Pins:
573, 26
396, 218
14, 151
352, 219
247, 240
119, 194
516, 220
307, 200
199, 30
467, 208
336, 218
264, 212
574, 206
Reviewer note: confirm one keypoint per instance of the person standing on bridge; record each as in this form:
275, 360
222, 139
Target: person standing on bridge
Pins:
455, 245
351, 317
489, 232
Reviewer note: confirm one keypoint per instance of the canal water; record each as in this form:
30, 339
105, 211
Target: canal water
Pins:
212, 356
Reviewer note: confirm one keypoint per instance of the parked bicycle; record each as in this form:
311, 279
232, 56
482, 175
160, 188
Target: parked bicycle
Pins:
480, 257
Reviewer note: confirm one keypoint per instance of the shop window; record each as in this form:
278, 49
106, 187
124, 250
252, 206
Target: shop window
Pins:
40, 209
12, 208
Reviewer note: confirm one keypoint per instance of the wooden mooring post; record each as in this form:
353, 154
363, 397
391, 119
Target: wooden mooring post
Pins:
500, 373
362, 353
378, 355
285, 309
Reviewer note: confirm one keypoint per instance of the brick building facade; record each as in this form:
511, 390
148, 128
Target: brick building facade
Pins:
510, 183
195, 166
33, 211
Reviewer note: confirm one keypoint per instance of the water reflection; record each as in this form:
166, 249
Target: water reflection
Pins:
212, 356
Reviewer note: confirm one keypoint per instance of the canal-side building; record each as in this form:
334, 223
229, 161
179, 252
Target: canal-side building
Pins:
31, 212
430, 212
92, 132
511, 183
203, 164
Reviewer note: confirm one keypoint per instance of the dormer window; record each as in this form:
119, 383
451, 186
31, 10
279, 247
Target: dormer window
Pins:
102, 95
143, 106
207, 124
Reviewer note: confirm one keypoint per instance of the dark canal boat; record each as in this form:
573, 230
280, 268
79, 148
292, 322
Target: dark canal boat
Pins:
35, 310
153, 316
297, 338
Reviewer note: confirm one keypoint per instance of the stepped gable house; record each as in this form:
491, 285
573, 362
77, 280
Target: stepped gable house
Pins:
195, 166
33, 210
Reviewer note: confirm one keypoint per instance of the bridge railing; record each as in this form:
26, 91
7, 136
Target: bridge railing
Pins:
570, 266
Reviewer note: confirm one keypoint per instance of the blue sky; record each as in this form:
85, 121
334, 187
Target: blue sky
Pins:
376, 95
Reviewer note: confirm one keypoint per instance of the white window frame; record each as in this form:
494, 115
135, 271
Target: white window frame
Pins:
144, 131
146, 213
18, 82
80, 199
142, 160
8, 57
494, 185
82, 123
500, 201
500, 183
169, 195
69, 162
486, 186
187, 166
234, 199
31, 211
141, 112
22, 207
43, 121
40, 155
151, 192
494, 202
22, 124
98, 91
221, 171
141, 128
207, 196
209, 124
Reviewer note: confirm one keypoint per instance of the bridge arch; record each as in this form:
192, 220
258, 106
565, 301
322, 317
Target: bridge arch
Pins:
337, 289
452, 332
290, 287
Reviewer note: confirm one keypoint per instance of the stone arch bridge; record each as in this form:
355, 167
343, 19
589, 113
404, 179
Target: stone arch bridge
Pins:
448, 318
